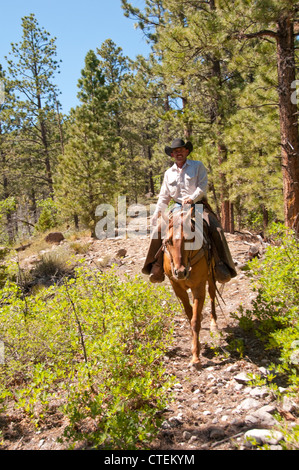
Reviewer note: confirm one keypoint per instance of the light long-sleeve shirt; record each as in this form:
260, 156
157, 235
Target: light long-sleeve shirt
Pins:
190, 181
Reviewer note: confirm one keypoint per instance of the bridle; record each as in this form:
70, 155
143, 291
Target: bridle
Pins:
192, 258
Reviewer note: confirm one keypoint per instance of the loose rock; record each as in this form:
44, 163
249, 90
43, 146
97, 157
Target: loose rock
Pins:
248, 404
187, 435
242, 378
54, 238
262, 416
262, 436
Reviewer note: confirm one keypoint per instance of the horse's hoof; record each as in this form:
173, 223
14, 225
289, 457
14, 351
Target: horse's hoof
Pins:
215, 335
195, 365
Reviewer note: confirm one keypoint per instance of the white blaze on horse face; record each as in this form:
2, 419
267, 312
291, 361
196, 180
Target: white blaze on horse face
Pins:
177, 226
195, 235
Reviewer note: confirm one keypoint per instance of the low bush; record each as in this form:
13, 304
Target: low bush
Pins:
3, 266
274, 318
48, 216
95, 344
274, 314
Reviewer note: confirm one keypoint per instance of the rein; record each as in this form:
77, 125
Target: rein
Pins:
193, 256
205, 250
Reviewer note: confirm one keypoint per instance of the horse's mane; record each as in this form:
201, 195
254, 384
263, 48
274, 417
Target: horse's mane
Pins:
180, 218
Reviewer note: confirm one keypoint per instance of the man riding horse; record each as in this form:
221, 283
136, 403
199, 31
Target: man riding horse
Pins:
186, 182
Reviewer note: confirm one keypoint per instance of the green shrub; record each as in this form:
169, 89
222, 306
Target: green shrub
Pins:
274, 313
96, 343
48, 217
3, 265
273, 317
254, 219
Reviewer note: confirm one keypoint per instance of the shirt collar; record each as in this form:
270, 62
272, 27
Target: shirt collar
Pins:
176, 168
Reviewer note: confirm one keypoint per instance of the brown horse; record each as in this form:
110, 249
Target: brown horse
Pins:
189, 269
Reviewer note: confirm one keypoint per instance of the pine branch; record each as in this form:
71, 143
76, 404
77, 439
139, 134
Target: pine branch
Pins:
257, 34
24, 222
254, 106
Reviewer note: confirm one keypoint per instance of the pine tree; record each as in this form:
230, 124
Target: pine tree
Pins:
86, 172
8, 187
200, 45
276, 21
32, 69
115, 70
194, 66
252, 137
133, 105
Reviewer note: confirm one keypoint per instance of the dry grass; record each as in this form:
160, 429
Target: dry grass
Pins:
55, 264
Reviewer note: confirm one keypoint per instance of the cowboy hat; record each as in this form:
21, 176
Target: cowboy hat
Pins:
176, 143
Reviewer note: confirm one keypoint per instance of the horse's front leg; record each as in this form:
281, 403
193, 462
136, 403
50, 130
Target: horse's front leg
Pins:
182, 294
198, 302
212, 293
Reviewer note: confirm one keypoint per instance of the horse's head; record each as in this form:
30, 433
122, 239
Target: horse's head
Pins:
175, 244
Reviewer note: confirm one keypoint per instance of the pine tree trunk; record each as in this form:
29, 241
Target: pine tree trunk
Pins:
9, 220
212, 186
44, 140
33, 207
288, 118
60, 128
166, 109
216, 113
151, 181
76, 221
187, 123
231, 218
225, 215
265, 216
227, 221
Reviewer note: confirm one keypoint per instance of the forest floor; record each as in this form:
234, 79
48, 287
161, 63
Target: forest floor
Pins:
212, 407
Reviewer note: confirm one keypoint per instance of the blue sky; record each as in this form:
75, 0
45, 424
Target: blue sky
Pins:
78, 26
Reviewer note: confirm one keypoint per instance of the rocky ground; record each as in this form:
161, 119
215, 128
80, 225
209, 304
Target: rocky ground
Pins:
213, 408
